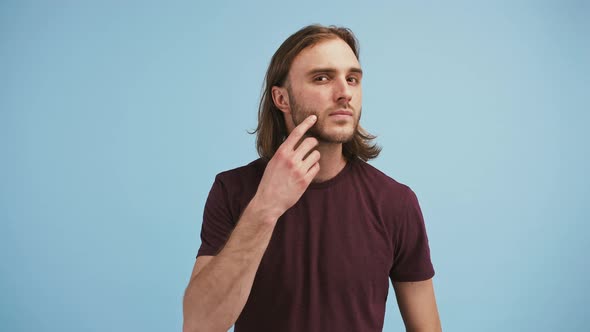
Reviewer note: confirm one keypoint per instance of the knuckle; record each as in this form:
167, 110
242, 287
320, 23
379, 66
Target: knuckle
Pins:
278, 153
302, 183
290, 163
281, 154
299, 173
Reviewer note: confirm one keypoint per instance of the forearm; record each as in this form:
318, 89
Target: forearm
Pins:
216, 296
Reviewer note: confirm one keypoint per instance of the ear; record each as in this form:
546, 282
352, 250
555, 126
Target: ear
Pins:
280, 97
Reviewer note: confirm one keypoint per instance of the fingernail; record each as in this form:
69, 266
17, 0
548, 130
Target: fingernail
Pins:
313, 118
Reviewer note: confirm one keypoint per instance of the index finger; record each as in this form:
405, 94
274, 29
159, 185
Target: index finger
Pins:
299, 131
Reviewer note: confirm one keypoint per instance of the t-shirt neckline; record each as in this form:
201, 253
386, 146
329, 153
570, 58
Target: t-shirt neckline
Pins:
334, 180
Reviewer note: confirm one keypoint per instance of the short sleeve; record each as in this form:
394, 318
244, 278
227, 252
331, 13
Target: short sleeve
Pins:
218, 221
412, 253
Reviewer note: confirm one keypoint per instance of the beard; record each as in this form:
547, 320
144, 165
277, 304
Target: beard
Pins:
319, 130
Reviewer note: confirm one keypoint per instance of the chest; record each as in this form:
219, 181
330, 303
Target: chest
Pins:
331, 247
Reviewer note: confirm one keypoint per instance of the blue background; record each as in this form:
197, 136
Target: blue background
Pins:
115, 119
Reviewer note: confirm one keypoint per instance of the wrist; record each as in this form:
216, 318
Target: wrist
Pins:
262, 211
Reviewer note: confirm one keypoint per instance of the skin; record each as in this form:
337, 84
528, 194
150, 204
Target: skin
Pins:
220, 285
324, 78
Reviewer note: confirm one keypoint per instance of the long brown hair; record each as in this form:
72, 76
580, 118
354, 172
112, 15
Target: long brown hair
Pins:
271, 129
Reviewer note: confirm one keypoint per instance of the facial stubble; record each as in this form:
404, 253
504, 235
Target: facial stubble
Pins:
299, 113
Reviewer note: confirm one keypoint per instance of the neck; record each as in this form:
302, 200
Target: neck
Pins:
331, 161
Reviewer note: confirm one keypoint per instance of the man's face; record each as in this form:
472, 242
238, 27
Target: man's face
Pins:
325, 80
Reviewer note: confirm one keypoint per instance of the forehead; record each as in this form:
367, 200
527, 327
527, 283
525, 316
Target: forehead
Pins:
333, 53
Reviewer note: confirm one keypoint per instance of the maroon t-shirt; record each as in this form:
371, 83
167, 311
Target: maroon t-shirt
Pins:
328, 264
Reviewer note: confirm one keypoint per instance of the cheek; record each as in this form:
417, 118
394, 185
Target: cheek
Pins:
289, 122
358, 101
359, 96
314, 92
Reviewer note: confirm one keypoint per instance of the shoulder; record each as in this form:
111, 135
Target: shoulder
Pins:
243, 180
380, 182
382, 192
252, 169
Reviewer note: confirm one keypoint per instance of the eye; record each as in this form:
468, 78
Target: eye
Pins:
321, 78
353, 79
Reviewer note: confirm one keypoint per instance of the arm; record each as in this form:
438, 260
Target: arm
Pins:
417, 305
220, 285
218, 291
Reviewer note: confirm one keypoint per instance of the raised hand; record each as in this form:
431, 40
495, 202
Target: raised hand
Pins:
288, 174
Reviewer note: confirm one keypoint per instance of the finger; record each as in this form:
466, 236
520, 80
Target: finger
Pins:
311, 160
299, 131
304, 148
313, 171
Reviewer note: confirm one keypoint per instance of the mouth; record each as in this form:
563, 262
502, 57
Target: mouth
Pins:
341, 112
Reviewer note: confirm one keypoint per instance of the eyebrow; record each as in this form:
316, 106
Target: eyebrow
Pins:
332, 71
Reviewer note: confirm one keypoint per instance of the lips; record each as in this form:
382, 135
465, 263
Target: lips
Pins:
341, 112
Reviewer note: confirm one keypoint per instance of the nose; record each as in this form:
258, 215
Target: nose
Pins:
343, 91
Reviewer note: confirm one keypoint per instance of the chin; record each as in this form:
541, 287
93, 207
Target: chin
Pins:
336, 138
333, 135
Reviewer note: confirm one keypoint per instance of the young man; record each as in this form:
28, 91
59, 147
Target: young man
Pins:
307, 237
